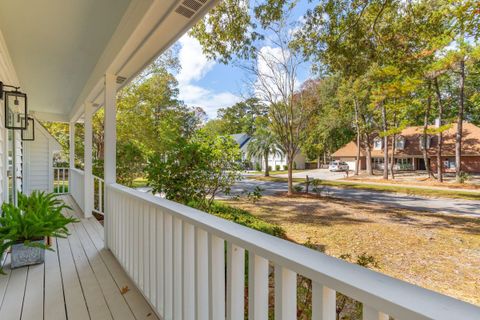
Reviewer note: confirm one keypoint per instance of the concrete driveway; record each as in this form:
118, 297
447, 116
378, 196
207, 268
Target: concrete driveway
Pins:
437, 205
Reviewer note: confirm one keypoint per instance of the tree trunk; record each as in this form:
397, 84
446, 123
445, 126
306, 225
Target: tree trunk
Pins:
319, 165
392, 163
290, 175
385, 142
440, 134
458, 137
267, 170
357, 127
368, 151
425, 136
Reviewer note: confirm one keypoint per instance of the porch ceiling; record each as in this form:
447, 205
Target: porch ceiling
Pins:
55, 44
58, 51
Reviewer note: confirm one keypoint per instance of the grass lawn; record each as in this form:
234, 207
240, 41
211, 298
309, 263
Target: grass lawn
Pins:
438, 252
429, 192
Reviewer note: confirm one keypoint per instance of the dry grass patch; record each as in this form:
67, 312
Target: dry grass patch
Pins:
438, 252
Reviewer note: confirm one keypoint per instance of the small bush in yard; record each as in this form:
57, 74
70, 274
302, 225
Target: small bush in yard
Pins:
258, 167
254, 195
298, 188
277, 167
464, 177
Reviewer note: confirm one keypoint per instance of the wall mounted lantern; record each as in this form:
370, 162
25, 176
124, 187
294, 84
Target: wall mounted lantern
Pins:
15, 107
29, 133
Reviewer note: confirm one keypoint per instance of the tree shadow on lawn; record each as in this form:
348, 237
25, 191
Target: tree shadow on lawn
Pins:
324, 213
437, 221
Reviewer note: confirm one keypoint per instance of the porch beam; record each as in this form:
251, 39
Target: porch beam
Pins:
110, 141
88, 176
72, 144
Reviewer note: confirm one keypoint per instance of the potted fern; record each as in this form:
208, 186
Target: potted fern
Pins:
24, 227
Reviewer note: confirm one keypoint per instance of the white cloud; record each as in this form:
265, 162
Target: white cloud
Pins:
194, 63
195, 66
210, 101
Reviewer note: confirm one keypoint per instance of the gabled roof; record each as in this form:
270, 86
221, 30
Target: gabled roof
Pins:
40, 129
412, 135
241, 138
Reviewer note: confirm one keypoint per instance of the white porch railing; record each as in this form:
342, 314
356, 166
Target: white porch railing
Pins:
60, 180
98, 194
77, 187
176, 257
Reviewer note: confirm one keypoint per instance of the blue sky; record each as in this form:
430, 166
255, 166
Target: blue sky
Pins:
211, 85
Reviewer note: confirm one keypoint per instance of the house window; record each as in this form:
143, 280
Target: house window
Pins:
449, 163
377, 144
404, 164
400, 143
422, 144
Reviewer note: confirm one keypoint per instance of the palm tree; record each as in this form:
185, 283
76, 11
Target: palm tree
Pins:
262, 144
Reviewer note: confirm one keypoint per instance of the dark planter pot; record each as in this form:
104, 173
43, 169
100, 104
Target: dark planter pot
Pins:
26, 256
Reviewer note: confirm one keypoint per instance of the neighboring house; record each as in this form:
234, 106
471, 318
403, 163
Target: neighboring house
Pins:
38, 160
278, 159
409, 150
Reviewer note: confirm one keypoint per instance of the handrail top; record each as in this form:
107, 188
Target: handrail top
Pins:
395, 297
77, 170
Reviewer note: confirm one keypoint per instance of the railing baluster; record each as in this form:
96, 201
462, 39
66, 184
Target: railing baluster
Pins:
160, 270
257, 287
323, 302
146, 250
201, 274
168, 269
217, 278
141, 246
285, 294
370, 313
131, 227
153, 256
235, 282
63, 180
100, 195
177, 269
188, 271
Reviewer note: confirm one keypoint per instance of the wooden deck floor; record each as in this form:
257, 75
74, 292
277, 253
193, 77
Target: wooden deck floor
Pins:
80, 280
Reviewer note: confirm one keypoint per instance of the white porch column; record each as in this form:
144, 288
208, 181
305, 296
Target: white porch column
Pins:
110, 140
88, 183
72, 154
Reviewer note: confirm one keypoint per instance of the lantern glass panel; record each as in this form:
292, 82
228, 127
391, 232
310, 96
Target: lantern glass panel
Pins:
29, 133
15, 110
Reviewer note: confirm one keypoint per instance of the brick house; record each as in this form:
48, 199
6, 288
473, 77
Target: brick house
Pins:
409, 150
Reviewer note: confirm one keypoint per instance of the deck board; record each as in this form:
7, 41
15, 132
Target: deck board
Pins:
33, 300
79, 280
13, 301
54, 304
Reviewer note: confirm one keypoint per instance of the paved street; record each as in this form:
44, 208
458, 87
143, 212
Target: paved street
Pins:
438, 205
323, 174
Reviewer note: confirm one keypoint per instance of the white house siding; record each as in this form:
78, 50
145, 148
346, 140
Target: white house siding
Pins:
281, 160
38, 173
